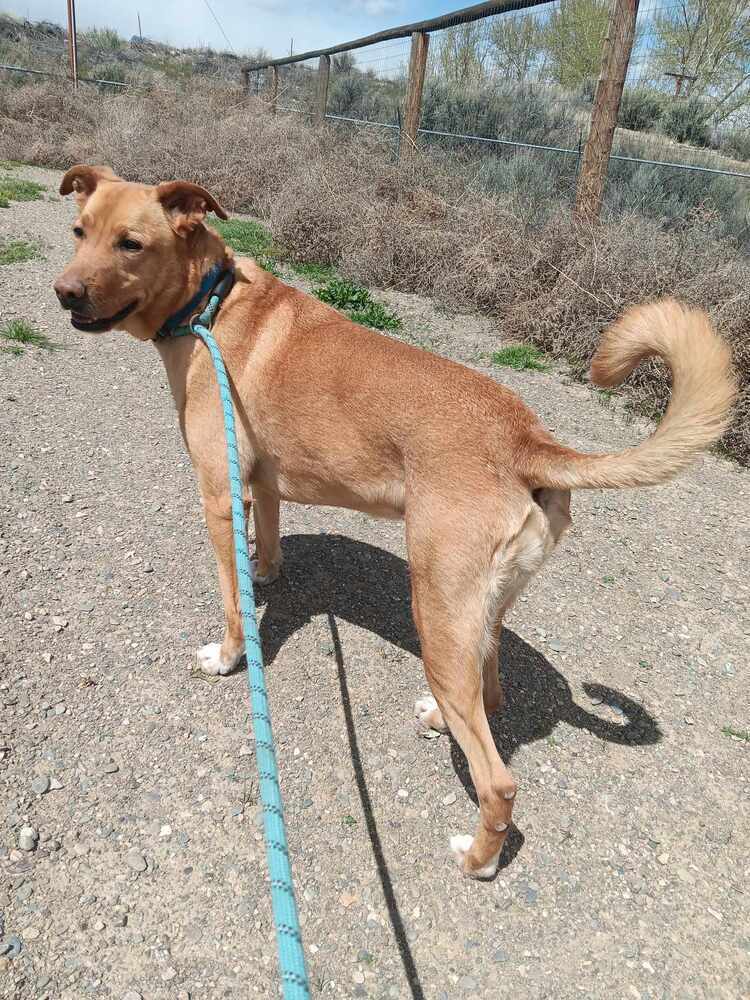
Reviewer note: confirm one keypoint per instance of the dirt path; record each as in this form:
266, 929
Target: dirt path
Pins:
628, 874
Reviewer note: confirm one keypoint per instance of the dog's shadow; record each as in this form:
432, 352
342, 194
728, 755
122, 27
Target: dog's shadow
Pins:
336, 576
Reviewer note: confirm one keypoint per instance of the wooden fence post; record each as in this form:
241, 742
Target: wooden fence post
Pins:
615, 58
420, 41
73, 43
246, 80
274, 89
324, 72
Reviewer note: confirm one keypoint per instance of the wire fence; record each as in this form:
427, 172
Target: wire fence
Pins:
509, 93
511, 97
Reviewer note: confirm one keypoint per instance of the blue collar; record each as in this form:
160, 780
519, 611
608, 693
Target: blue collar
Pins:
218, 281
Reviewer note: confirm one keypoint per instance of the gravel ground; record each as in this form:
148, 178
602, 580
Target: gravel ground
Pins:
627, 875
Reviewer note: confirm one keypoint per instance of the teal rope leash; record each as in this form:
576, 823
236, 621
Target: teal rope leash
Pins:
288, 937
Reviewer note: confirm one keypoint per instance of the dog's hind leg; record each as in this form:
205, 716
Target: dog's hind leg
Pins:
461, 584
267, 566
492, 689
427, 711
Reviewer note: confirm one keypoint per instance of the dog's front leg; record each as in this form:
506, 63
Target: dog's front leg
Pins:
215, 658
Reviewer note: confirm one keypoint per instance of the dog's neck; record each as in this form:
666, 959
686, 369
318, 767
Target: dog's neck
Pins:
203, 250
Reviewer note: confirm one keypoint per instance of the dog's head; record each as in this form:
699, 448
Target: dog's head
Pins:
138, 248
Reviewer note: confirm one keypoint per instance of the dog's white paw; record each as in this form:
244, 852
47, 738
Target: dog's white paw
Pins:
461, 845
428, 714
263, 579
210, 660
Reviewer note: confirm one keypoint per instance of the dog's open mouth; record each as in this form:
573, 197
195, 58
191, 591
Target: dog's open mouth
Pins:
81, 322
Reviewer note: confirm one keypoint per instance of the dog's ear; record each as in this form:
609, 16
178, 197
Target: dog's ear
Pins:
84, 180
186, 205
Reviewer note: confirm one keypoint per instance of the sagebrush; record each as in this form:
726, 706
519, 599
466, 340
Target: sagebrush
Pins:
429, 225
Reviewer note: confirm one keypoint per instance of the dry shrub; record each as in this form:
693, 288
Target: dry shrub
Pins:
425, 225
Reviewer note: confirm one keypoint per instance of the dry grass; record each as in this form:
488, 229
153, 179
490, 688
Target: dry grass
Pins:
331, 197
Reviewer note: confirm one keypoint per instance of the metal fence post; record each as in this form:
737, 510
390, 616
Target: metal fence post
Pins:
420, 41
324, 72
615, 58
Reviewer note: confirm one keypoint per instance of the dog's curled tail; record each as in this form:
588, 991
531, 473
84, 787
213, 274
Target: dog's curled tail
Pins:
703, 390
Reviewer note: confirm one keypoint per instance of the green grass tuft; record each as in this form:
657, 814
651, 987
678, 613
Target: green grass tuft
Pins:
19, 333
358, 304
18, 251
317, 273
12, 189
740, 734
249, 239
9, 165
522, 357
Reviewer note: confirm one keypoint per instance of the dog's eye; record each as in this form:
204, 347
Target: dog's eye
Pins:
131, 245
78, 232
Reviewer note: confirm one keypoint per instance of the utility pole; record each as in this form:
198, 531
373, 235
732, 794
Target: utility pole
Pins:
140, 33
73, 43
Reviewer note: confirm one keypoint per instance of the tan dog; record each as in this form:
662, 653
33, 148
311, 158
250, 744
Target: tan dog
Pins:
331, 413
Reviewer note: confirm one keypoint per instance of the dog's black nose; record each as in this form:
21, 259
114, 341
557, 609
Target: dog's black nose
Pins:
70, 291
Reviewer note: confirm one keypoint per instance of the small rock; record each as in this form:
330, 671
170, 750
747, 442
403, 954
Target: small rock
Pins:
500, 955
59, 622
663, 859
132, 995
10, 947
40, 785
719, 835
168, 975
54, 784
183, 995
60, 708
402, 793
110, 768
28, 838
136, 861
358, 977
25, 892
31, 933
67, 498
449, 799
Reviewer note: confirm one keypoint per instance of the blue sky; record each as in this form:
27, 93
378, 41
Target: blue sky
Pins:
248, 23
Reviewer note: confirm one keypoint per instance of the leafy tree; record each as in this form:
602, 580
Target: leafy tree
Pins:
462, 54
517, 46
573, 37
706, 44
